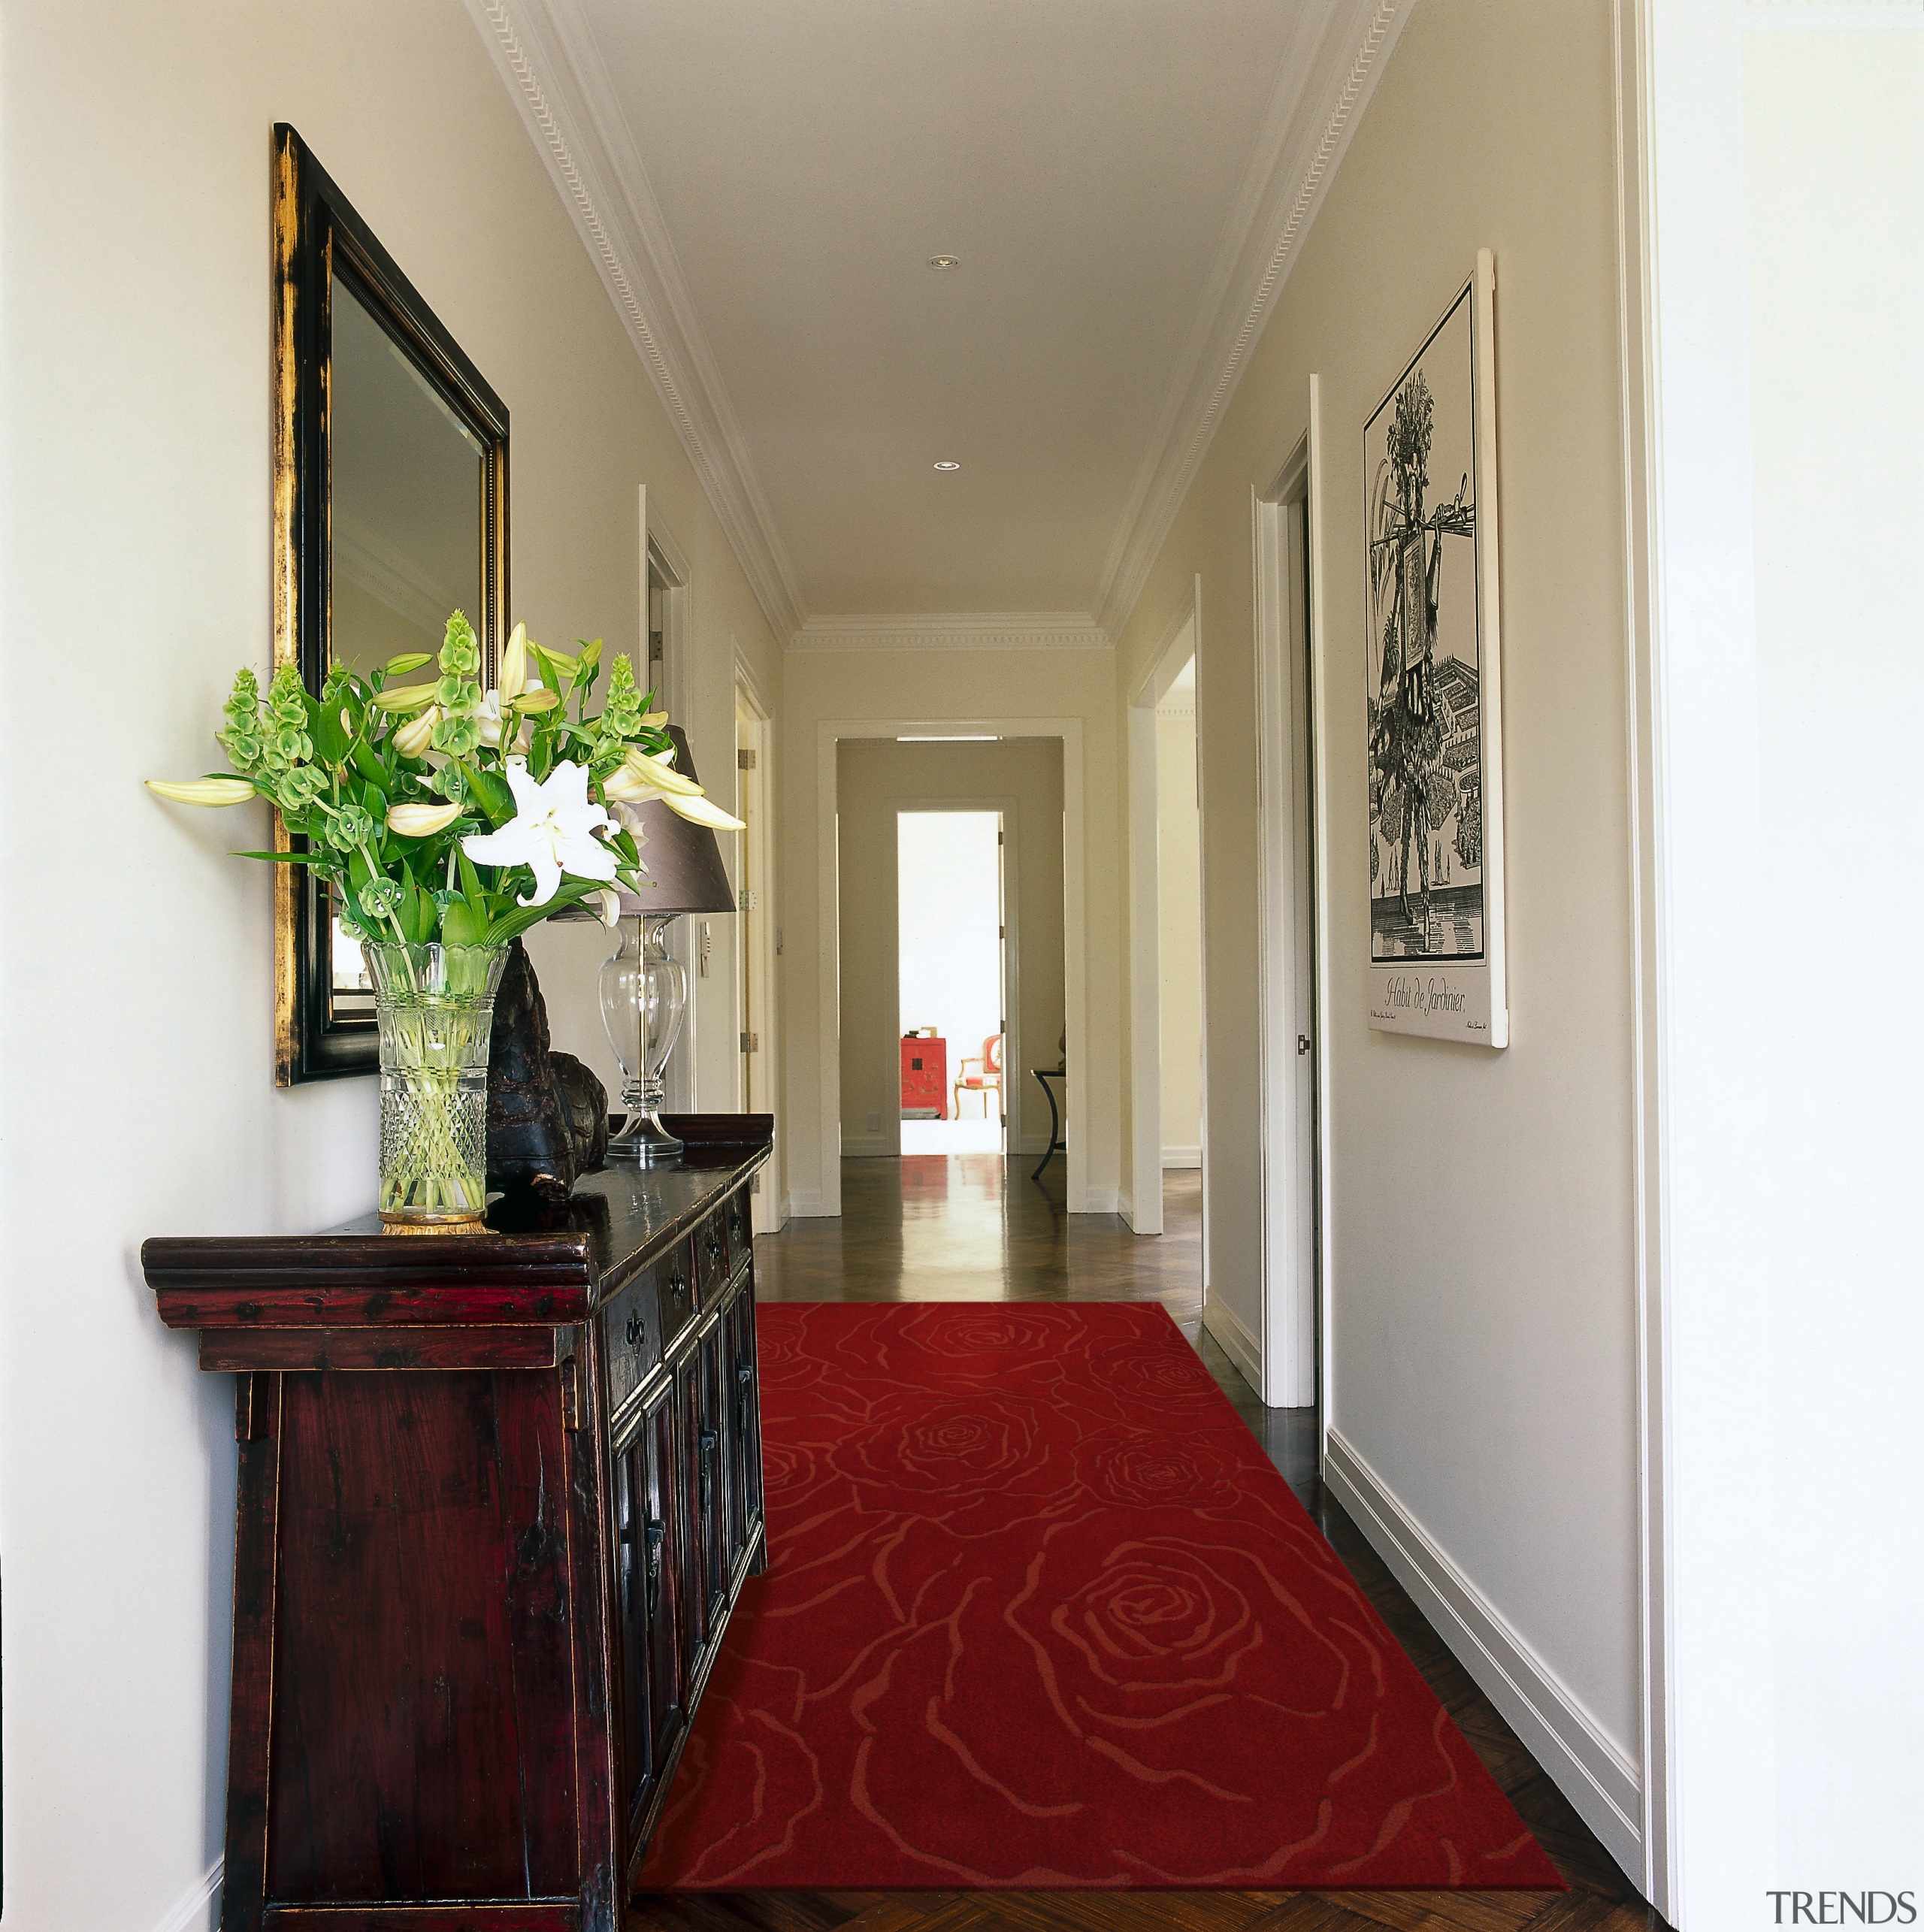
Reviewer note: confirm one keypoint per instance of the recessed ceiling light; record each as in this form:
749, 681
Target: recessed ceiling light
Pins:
948, 466
942, 262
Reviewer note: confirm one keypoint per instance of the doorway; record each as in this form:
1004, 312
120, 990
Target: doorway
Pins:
952, 969
1168, 1102
1289, 1034
754, 932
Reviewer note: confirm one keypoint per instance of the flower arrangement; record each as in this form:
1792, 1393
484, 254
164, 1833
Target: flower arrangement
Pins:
439, 813
447, 822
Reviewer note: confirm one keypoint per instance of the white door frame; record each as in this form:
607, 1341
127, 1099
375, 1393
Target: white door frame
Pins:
763, 1018
829, 733
681, 943
1294, 1164
1144, 1210
1007, 811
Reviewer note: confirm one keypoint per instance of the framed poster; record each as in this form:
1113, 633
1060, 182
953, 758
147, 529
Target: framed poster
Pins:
1435, 715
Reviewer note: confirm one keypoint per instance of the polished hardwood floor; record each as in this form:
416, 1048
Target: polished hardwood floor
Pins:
964, 1229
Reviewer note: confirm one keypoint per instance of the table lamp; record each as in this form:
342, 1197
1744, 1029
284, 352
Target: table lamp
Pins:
644, 990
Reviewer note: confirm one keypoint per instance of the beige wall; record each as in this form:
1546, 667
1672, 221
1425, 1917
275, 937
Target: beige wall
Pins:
136, 1030
1482, 1322
1834, 202
876, 777
1179, 912
1029, 692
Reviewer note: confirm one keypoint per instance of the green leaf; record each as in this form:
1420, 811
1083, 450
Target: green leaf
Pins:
512, 925
491, 793
463, 925
331, 738
470, 879
367, 764
285, 858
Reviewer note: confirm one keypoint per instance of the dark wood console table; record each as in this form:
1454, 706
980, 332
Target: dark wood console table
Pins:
498, 1493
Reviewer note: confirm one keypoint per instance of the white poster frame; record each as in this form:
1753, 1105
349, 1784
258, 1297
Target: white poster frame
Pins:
1464, 999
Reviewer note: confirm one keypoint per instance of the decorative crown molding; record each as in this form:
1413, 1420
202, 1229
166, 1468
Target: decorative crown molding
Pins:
546, 54
966, 630
1319, 99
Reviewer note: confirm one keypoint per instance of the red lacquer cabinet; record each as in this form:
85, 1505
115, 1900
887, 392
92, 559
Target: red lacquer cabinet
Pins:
924, 1077
498, 1495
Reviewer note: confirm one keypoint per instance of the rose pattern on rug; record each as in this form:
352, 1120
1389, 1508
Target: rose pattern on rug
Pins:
1040, 1613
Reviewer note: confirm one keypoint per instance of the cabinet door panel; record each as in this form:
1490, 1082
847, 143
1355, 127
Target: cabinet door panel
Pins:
690, 1553
651, 1605
711, 1519
744, 1424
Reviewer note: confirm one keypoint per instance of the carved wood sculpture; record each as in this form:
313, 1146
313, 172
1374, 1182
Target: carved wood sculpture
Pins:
547, 1113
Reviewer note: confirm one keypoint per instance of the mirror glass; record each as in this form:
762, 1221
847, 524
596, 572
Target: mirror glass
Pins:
406, 484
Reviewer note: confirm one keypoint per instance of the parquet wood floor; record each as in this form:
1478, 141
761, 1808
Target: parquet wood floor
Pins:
931, 1229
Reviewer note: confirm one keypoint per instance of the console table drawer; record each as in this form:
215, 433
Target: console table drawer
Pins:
631, 1338
711, 1256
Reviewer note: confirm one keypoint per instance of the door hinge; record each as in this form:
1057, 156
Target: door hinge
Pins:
744, 761
751, 1043
746, 899
571, 1395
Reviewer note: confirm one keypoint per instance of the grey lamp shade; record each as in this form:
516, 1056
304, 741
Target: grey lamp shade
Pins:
684, 861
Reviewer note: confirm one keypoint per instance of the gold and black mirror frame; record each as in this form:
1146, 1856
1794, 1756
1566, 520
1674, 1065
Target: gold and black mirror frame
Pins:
321, 247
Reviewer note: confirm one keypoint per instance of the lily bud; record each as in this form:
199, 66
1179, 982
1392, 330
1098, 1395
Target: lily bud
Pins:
408, 661
421, 821
514, 664
627, 786
703, 810
203, 791
409, 697
413, 739
657, 771
538, 700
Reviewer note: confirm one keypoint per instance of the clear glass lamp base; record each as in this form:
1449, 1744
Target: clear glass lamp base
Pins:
643, 1139
644, 993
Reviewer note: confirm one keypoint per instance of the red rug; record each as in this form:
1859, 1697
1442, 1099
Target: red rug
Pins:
1040, 1613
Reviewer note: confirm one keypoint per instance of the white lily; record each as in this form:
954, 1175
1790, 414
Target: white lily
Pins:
412, 739
703, 810
553, 831
421, 821
607, 906
203, 791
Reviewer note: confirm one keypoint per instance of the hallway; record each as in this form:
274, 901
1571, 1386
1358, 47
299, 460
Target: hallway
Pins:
929, 1228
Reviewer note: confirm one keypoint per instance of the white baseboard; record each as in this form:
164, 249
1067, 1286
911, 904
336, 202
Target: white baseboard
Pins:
1234, 1339
1587, 1766
804, 1204
199, 1911
1099, 1201
1182, 1156
868, 1147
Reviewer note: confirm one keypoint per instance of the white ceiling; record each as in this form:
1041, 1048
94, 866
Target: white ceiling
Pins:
762, 181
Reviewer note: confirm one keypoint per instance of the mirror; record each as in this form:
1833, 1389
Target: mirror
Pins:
391, 511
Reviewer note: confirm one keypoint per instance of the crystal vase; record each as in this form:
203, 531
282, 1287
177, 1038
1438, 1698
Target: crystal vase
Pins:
434, 1005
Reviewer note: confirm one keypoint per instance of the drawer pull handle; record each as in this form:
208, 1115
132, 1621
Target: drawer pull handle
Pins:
677, 1287
710, 1438
654, 1532
744, 1383
712, 1242
636, 1328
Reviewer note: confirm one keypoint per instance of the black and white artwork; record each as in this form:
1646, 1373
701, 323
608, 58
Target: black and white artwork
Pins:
1434, 708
